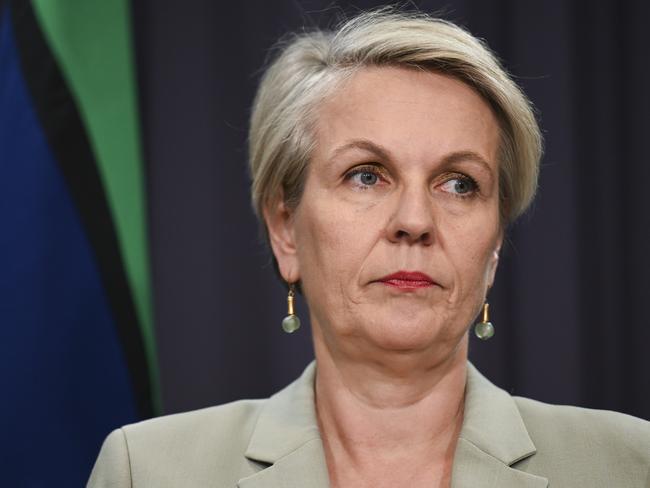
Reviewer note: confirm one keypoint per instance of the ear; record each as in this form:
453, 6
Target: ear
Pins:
493, 263
280, 226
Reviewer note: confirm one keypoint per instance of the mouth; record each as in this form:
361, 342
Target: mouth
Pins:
407, 280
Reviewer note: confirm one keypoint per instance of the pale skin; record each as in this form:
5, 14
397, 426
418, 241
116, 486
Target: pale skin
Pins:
403, 177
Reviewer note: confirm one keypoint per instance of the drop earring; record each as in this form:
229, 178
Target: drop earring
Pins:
291, 322
484, 329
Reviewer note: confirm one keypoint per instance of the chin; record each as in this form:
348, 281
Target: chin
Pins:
407, 334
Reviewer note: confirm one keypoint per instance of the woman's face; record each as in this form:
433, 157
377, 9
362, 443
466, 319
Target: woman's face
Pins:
403, 178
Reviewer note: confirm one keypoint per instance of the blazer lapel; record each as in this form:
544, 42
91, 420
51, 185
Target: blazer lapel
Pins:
303, 468
492, 440
286, 438
474, 468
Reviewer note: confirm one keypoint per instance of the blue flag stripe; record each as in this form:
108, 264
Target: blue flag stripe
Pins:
65, 382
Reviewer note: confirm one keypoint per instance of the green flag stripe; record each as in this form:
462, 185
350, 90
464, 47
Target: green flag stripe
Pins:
92, 43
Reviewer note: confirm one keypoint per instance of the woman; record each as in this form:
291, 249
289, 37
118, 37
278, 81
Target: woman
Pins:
387, 159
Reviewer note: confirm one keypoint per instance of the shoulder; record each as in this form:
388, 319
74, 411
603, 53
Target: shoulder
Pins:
187, 449
229, 423
608, 445
584, 425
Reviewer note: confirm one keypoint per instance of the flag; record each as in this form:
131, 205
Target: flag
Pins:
77, 348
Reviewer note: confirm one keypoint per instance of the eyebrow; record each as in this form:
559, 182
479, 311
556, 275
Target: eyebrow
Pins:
364, 144
457, 157
383, 153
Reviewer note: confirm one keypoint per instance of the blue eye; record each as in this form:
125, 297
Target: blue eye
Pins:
364, 176
461, 186
367, 178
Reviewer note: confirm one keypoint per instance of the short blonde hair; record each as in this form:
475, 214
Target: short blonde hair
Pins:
309, 66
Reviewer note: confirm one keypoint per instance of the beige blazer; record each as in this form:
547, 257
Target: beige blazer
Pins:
505, 442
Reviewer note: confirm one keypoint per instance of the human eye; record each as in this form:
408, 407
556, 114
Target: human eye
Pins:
460, 185
365, 176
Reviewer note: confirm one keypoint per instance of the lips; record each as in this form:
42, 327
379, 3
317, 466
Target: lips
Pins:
408, 280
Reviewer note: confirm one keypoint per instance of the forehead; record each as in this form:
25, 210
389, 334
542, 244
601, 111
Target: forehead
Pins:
415, 112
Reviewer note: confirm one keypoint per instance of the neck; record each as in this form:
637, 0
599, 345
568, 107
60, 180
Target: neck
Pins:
404, 410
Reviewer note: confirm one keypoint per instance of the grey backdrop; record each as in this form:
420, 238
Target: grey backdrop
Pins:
573, 286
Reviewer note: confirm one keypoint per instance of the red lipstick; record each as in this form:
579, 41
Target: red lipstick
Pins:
408, 280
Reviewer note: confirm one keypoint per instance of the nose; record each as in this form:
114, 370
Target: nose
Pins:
413, 220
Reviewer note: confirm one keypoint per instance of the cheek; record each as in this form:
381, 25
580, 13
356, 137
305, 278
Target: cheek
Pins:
337, 243
330, 245
471, 250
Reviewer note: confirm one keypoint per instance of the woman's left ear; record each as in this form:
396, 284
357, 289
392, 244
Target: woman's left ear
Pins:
494, 263
280, 226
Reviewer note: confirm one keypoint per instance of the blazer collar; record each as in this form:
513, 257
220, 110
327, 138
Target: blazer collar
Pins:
493, 438
287, 437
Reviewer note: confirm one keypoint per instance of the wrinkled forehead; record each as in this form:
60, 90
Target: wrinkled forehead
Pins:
416, 113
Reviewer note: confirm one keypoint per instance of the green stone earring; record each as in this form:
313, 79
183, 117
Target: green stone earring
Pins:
291, 322
484, 329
